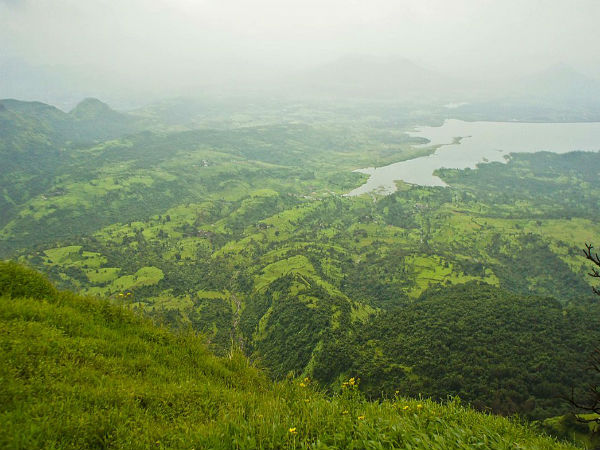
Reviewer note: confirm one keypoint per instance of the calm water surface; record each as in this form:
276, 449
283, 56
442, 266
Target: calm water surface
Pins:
480, 142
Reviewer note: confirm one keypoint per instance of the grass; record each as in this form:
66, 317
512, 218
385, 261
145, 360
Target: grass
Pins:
73, 255
81, 373
62, 254
102, 276
433, 270
146, 276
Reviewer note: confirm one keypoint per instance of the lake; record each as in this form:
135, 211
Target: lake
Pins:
479, 142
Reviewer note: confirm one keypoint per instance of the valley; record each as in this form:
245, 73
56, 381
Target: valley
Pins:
244, 234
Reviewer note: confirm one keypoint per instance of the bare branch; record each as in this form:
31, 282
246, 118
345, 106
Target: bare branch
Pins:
593, 407
594, 273
592, 257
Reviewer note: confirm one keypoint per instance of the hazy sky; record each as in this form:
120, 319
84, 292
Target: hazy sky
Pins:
164, 44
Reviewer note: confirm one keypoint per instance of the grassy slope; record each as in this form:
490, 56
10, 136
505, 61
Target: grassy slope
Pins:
78, 372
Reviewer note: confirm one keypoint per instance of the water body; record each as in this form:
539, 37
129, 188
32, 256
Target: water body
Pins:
466, 144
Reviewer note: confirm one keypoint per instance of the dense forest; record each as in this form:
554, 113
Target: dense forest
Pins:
502, 352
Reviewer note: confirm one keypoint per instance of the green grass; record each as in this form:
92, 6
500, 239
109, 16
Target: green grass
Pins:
82, 373
434, 270
104, 275
146, 276
73, 255
62, 254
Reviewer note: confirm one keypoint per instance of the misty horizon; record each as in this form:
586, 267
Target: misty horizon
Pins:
139, 52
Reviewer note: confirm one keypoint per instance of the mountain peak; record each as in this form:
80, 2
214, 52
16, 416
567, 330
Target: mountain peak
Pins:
91, 108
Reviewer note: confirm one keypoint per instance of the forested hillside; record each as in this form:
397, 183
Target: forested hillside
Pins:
502, 352
241, 231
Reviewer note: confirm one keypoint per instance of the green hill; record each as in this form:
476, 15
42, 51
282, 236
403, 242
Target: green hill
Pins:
78, 372
89, 121
37, 143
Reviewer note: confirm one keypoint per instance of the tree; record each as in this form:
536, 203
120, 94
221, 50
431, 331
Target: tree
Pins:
592, 404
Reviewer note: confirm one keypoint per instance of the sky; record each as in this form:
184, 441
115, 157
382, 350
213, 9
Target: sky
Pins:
176, 45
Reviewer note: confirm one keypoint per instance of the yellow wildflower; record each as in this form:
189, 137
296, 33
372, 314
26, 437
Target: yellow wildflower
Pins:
302, 385
345, 412
351, 381
361, 417
307, 380
292, 430
405, 408
419, 406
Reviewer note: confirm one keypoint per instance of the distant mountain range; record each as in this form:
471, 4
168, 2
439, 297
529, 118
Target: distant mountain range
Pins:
538, 96
402, 79
558, 84
369, 77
